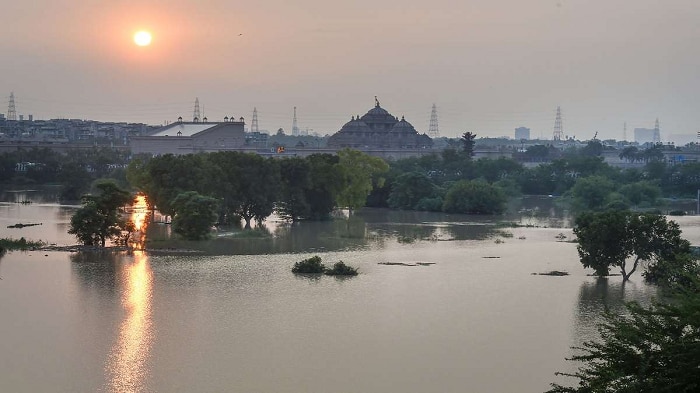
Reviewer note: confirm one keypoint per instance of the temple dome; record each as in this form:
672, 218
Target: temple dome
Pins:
403, 127
355, 125
378, 115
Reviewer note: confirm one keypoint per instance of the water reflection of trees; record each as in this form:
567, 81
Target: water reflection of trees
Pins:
97, 270
365, 228
601, 294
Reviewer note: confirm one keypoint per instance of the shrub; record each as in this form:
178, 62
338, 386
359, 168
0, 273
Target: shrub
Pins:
341, 269
311, 265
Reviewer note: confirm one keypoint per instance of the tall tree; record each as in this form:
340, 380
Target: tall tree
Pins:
358, 169
468, 143
295, 176
410, 188
326, 183
609, 239
99, 218
259, 184
195, 214
591, 193
474, 197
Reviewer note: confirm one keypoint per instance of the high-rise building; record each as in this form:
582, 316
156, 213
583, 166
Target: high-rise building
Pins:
522, 133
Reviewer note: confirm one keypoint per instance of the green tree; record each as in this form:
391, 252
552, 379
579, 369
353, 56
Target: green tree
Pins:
99, 217
295, 174
195, 214
326, 183
608, 239
641, 192
357, 170
591, 193
410, 188
468, 143
474, 197
654, 349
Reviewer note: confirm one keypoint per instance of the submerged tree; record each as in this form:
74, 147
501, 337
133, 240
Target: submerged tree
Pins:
474, 197
608, 239
195, 214
358, 170
99, 218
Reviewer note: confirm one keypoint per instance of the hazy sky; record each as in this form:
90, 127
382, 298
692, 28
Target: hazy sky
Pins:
488, 65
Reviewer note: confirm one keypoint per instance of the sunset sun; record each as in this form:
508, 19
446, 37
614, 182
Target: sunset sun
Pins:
142, 38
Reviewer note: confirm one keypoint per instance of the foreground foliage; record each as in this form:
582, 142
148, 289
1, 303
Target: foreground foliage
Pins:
655, 349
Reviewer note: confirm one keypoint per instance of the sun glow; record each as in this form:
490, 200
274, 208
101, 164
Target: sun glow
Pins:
143, 38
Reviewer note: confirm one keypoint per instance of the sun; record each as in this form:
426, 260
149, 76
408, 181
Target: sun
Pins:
142, 38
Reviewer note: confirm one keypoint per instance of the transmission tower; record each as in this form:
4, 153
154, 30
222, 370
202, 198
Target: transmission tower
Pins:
433, 130
11, 110
254, 123
657, 132
295, 128
558, 127
197, 113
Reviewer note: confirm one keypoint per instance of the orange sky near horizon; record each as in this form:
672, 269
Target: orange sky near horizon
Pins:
489, 66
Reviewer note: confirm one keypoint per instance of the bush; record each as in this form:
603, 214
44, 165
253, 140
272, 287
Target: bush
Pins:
474, 197
312, 265
341, 269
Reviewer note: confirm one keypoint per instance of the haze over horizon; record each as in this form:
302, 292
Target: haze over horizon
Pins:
489, 66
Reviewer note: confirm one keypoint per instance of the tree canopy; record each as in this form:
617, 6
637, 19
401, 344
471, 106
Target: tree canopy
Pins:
358, 170
611, 238
474, 197
195, 214
99, 217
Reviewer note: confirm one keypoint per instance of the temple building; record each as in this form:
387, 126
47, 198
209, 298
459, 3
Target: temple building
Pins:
379, 129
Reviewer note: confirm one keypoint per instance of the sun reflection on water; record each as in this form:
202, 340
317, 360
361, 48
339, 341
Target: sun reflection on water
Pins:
139, 216
128, 361
127, 365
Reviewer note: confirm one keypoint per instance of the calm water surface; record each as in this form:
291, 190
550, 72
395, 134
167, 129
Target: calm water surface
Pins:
235, 319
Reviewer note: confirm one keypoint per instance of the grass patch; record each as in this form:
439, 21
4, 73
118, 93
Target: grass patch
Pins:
8, 244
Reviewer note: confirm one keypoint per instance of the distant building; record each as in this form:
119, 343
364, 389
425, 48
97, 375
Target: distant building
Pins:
184, 138
378, 129
644, 135
256, 138
522, 133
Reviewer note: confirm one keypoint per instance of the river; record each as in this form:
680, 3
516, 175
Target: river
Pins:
233, 318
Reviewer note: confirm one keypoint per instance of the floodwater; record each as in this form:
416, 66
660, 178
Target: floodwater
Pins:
233, 318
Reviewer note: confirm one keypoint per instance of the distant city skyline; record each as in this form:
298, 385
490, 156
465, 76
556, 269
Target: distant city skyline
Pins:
489, 67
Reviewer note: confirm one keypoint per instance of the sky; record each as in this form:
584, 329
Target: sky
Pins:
488, 65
